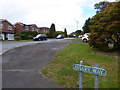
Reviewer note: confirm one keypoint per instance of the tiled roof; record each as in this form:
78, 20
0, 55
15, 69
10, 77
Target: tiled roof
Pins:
43, 28
2, 20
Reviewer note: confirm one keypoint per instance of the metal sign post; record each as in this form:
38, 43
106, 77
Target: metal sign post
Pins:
96, 79
94, 70
80, 83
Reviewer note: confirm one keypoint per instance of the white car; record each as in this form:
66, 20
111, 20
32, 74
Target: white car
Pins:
85, 37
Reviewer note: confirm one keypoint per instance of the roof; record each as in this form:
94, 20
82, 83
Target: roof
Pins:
20, 23
30, 25
44, 28
2, 20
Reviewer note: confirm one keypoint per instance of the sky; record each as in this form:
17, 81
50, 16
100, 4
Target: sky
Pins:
63, 13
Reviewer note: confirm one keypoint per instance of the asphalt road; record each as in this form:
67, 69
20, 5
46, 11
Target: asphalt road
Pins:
21, 65
7, 45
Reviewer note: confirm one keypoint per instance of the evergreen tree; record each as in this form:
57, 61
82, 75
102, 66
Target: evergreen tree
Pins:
52, 32
78, 32
65, 32
86, 28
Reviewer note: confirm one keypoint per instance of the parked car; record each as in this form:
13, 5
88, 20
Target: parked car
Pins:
85, 37
40, 37
80, 36
60, 36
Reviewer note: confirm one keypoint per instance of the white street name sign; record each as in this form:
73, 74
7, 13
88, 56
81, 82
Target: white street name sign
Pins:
88, 69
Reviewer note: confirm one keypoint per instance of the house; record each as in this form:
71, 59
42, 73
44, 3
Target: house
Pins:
6, 30
20, 27
32, 27
43, 30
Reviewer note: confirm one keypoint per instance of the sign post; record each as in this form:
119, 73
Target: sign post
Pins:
94, 70
96, 79
80, 84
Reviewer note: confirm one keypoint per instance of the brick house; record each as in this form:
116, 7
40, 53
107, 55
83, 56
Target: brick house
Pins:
6, 30
32, 27
43, 30
20, 27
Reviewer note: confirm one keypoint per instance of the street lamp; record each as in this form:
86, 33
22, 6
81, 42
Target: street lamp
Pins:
77, 24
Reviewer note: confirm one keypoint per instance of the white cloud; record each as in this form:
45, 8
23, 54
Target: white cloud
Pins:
64, 13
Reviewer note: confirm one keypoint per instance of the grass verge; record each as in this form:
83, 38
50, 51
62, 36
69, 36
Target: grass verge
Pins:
78, 39
60, 70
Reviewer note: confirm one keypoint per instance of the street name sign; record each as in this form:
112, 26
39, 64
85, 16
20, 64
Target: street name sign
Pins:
88, 69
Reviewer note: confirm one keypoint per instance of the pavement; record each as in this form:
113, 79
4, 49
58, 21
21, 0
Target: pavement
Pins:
21, 64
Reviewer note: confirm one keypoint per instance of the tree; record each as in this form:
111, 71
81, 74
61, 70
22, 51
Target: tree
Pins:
65, 32
52, 33
33, 33
86, 28
78, 32
100, 6
105, 28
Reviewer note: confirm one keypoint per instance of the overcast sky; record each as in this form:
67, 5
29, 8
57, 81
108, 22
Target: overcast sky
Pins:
63, 13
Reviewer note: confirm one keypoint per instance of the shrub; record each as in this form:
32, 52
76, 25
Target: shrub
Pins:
30, 37
33, 33
24, 37
17, 34
17, 38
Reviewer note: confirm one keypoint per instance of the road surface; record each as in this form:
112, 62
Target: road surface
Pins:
21, 65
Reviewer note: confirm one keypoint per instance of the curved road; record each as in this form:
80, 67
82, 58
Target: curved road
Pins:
21, 65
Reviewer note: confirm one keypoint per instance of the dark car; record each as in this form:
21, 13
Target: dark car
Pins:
40, 37
60, 36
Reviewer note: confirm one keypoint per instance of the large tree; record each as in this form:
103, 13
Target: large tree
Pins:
105, 28
65, 32
52, 32
78, 32
100, 6
86, 28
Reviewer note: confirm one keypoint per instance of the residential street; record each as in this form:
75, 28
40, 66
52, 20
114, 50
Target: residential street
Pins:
21, 65
7, 45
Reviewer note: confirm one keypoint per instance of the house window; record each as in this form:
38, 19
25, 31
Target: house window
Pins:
33, 29
36, 29
26, 28
1, 26
9, 27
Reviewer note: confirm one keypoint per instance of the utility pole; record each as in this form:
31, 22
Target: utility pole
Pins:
117, 0
77, 24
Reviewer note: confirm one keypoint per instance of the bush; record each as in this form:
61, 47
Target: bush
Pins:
17, 38
24, 37
17, 34
33, 33
30, 37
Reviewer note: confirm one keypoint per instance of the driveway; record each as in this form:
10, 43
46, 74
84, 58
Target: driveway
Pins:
21, 65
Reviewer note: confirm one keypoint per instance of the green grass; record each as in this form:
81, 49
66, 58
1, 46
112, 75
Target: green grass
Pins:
78, 39
61, 71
